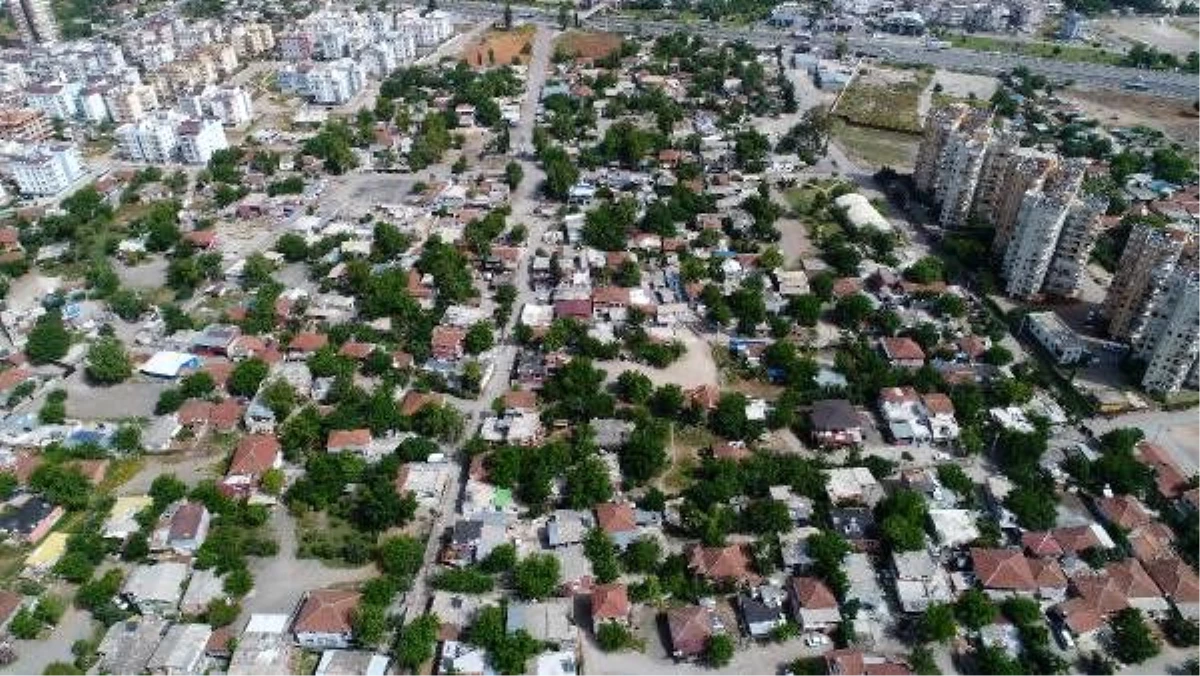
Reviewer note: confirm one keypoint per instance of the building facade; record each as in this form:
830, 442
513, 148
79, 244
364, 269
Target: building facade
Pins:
950, 160
35, 21
1170, 339
1150, 256
46, 169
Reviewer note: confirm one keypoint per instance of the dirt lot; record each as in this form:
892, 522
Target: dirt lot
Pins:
497, 47
1176, 119
588, 45
877, 147
1177, 35
696, 367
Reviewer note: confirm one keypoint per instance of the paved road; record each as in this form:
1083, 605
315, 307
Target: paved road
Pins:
1162, 83
524, 202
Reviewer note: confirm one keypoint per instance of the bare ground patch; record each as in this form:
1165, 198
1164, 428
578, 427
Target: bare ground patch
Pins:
588, 45
500, 47
1176, 119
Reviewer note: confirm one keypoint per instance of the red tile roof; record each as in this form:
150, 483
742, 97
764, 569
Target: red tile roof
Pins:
1003, 569
308, 342
1125, 511
721, 563
10, 378
351, 438
938, 403
255, 454
327, 611
1175, 578
185, 522
610, 602
1169, 479
356, 350
898, 395
521, 400
813, 594
690, 627
415, 401
1041, 543
616, 517
902, 348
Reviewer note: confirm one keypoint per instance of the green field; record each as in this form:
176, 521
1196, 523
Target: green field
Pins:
876, 147
884, 105
1047, 50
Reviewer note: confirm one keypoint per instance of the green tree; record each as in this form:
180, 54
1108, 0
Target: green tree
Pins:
1133, 642
587, 483
479, 338
718, 650
937, 623
415, 642
536, 576
245, 378
513, 174
48, 340
369, 623
107, 362
974, 609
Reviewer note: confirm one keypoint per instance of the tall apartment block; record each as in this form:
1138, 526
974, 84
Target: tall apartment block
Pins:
1054, 231
1150, 256
1170, 338
1009, 170
950, 160
35, 21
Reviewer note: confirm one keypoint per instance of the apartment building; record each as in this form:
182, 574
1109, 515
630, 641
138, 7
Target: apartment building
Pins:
252, 39
1150, 256
1170, 339
233, 106
1008, 172
56, 100
951, 158
25, 125
1040, 224
130, 103
45, 169
1074, 248
35, 21
168, 136
325, 83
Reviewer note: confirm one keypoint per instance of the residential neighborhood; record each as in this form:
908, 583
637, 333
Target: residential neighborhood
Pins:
598, 338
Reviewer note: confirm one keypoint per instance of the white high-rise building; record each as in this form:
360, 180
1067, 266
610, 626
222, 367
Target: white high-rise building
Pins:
46, 169
1151, 254
167, 136
199, 139
1040, 223
1074, 248
951, 158
1170, 338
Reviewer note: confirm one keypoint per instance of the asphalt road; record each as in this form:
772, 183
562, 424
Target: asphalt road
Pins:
1161, 83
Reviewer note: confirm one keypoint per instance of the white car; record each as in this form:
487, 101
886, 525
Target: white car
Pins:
814, 639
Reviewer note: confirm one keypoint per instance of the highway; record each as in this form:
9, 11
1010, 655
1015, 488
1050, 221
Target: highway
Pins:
890, 48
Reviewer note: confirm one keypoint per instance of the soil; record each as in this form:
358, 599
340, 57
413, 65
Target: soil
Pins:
500, 47
588, 45
1176, 119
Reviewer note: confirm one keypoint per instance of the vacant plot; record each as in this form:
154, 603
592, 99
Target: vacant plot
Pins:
586, 45
1176, 119
499, 47
877, 147
1046, 50
1177, 35
883, 98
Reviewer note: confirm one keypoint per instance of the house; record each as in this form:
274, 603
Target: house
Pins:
814, 607
835, 422
188, 527
1169, 479
762, 611
1124, 511
155, 589
169, 365
729, 563
128, 645
939, 416
304, 344
1178, 583
1005, 571
215, 339
567, 527
610, 433
351, 663
548, 621
30, 520
447, 342
262, 648
920, 581
254, 455
181, 650
689, 628
414, 401
856, 524
460, 658
204, 587
901, 410
610, 603
356, 441
325, 619
853, 485
902, 352
851, 662
619, 521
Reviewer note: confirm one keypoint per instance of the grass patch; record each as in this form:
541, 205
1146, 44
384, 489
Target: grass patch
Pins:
121, 470
884, 105
585, 44
942, 99
1045, 50
876, 147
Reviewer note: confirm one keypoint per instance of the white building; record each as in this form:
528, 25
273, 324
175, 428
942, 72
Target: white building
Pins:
1170, 339
1059, 340
327, 83
168, 136
233, 106
46, 169
950, 159
55, 100
1040, 223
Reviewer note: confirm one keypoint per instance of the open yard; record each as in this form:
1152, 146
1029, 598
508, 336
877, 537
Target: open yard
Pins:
884, 98
1176, 35
587, 45
877, 147
499, 47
